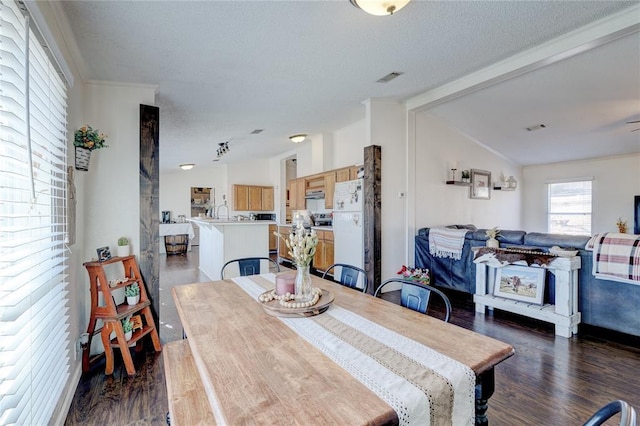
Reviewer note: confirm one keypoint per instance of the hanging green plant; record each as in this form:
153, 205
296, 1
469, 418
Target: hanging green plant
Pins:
85, 140
87, 137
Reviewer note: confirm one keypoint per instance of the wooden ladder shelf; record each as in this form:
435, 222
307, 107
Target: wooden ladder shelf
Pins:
112, 315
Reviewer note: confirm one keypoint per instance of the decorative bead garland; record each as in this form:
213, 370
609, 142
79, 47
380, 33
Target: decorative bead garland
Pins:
286, 299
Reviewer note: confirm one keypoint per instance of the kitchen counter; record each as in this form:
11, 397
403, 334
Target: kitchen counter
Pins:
226, 222
319, 228
225, 240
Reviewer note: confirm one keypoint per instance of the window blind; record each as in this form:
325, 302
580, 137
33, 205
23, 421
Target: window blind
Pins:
34, 321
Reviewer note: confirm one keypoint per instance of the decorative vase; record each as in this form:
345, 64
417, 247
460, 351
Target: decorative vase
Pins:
493, 243
83, 155
123, 251
133, 300
128, 335
303, 284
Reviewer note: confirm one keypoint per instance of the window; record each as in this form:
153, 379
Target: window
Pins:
569, 209
34, 323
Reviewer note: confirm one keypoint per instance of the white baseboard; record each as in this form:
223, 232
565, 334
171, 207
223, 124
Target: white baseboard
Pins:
62, 409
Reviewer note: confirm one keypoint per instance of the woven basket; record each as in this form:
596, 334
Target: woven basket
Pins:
83, 155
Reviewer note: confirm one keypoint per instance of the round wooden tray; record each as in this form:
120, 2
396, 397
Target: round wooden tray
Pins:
274, 308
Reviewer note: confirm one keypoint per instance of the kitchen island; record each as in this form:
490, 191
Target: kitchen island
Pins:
224, 240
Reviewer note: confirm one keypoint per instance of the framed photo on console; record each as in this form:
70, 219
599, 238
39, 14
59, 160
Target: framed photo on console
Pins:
520, 283
480, 184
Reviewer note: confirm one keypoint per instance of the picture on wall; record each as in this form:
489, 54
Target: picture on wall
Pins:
520, 283
480, 184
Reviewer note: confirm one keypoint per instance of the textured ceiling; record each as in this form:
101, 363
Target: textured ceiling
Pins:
225, 68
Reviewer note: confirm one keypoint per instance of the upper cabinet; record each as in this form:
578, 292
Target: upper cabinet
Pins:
252, 198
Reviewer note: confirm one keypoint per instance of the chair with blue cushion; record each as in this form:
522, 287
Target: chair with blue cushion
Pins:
627, 414
414, 295
249, 265
348, 276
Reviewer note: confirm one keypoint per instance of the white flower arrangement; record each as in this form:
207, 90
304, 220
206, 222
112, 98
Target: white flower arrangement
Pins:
301, 244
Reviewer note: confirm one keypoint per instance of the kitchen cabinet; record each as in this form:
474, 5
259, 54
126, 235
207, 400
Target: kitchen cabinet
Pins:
267, 198
283, 251
297, 193
255, 198
342, 175
252, 198
324, 251
329, 189
273, 239
353, 172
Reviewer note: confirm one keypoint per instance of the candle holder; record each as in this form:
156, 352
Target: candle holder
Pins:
453, 175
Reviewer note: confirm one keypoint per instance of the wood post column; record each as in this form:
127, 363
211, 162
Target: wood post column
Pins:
372, 216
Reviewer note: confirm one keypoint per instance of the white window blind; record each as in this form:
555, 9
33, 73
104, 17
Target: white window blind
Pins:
569, 208
34, 323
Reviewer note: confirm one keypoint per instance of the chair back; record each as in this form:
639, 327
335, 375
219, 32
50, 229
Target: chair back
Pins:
248, 266
416, 296
348, 275
627, 414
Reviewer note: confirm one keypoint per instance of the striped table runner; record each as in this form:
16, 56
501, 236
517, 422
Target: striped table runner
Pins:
423, 386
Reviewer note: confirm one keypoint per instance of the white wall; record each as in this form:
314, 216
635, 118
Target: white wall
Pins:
436, 204
348, 145
615, 182
112, 198
175, 187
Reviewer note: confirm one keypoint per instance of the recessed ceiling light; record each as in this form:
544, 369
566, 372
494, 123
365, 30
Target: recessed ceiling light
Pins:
187, 166
380, 7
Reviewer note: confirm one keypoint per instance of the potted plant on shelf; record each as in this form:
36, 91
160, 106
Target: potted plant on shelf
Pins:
493, 235
85, 140
132, 292
127, 327
466, 175
123, 247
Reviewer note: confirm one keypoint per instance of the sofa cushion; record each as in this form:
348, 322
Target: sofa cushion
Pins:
541, 239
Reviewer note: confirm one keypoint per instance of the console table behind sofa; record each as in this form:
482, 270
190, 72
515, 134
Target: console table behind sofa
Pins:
602, 303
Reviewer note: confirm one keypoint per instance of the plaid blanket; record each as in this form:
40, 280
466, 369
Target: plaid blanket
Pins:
616, 257
446, 242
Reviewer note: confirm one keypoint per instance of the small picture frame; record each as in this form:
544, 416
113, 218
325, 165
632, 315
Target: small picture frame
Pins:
521, 283
103, 254
480, 184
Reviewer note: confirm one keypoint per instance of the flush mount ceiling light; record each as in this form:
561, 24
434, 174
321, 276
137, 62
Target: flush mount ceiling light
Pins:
187, 166
380, 7
298, 138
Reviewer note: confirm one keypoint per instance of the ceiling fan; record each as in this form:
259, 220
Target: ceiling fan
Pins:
633, 122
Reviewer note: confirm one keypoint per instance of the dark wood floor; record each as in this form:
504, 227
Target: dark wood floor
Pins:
550, 381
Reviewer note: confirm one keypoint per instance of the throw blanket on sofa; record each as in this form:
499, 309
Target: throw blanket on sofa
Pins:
446, 242
616, 257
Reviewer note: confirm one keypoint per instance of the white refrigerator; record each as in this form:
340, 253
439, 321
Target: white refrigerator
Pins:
347, 226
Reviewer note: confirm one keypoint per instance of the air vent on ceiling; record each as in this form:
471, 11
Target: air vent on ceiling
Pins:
387, 78
536, 127
257, 131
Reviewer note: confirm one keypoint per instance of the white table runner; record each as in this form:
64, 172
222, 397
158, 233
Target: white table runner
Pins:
423, 386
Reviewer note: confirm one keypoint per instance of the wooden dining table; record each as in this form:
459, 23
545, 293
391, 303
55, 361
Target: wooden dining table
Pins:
257, 368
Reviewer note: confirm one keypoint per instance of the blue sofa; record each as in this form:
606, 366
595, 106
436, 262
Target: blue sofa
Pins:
603, 303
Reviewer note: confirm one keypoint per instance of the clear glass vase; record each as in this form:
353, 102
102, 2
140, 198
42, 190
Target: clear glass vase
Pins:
303, 284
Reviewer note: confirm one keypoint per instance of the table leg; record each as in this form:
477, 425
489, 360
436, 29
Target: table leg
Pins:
485, 385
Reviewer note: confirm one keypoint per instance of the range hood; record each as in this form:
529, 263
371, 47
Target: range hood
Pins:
314, 195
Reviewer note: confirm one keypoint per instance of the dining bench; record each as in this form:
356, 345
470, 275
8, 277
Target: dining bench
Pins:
188, 403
